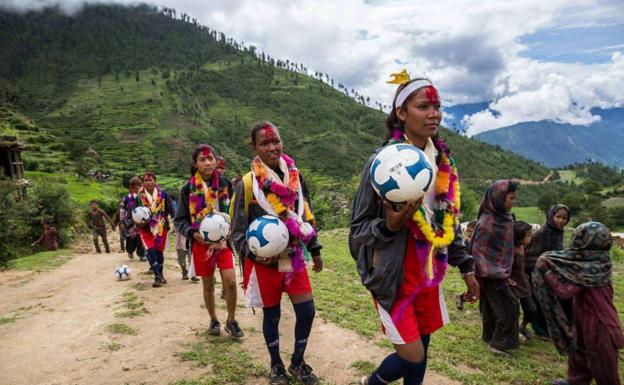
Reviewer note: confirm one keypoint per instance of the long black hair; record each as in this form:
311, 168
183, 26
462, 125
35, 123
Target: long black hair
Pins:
198, 149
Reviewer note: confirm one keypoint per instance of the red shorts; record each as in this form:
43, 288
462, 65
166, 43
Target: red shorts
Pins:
264, 285
204, 265
151, 242
416, 311
410, 318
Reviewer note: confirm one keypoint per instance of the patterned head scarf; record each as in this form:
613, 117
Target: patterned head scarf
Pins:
492, 241
586, 263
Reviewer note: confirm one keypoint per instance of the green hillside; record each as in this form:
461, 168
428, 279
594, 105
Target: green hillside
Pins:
139, 87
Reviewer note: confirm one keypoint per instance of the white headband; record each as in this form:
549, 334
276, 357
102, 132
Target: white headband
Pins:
407, 91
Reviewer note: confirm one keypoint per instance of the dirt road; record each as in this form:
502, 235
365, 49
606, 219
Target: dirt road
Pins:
60, 333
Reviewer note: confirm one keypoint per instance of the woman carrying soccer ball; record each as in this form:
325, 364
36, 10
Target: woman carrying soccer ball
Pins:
205, 193
154, 233
275, 186
402, 251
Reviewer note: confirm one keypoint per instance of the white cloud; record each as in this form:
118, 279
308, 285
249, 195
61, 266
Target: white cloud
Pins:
562, 92
471, 50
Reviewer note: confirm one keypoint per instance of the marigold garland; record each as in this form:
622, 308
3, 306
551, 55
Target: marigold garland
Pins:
282, 199
446, 205
200, 203
157, 207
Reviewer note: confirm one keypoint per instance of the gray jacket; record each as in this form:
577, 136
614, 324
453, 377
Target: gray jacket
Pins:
370, 239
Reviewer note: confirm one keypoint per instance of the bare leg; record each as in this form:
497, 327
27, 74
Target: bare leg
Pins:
209, 299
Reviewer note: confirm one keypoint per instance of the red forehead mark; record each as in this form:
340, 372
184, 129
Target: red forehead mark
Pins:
432, 95
269, 132
206, 152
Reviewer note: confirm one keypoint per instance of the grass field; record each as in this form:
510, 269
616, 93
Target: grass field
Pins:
570, 176
456, 350
82, 190
529, 214
43, 261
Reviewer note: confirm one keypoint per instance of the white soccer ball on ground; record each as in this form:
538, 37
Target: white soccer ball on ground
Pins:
122, 272
141, 215
401, 172
214, 228
267, 236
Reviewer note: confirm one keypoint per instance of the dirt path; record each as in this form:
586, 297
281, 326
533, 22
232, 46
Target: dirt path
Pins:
60, 335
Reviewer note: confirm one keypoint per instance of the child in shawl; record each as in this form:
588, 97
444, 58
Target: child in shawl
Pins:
492, 249
582, 273
520, 281
549, 237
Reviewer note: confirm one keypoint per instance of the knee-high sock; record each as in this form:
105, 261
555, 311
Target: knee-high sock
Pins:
270, 330
305, 316
392, 368
160, 258
417, 377
152, 258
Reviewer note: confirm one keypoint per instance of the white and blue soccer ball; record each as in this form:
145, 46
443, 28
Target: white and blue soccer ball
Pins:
214, 227
267, 236
401, 172
141, 215
122, 272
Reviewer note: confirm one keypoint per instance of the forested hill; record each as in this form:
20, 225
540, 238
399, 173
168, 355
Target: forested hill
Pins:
129, 88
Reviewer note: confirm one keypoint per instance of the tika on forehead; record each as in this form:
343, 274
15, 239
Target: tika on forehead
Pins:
269, 132
206, 152
432, 95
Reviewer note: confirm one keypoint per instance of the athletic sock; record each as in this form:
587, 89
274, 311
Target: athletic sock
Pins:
304, 313
270, 330
417, 377
153, 260
160, 258
392, 368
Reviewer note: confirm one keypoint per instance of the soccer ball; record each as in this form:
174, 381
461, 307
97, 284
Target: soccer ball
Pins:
267, 236
122, 272
141, 215
401, 172
214, 228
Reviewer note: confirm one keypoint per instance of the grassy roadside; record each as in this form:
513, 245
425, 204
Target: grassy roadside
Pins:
43, 261
456, 350
228, 361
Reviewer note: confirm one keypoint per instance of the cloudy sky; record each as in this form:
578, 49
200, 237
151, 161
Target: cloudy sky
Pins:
532, 59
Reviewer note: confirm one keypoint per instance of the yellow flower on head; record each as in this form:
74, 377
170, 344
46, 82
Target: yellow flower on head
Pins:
399, 77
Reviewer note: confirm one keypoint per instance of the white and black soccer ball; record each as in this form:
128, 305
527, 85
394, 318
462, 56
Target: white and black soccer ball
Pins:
214, 227
122, 272
141, 215
267, 236
401, 172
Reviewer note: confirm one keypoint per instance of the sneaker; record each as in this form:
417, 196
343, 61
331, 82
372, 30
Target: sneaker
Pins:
459, 302
142, 259
499, 352
303, 373
185, 276
232, 328
215, 328
278, 375
364, 380
157, 282
526, 334
163, 280
194, 279
130, 255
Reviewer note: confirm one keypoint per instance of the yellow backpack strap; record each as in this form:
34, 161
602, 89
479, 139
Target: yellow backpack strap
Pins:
248, 188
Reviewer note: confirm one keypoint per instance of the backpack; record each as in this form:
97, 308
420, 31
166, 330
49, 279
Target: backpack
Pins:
248, 191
